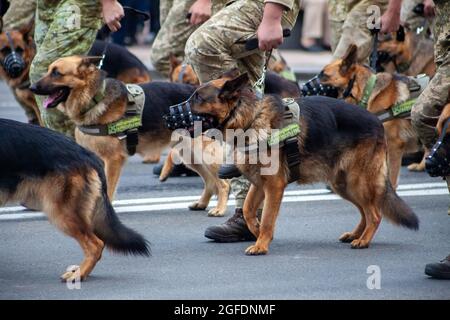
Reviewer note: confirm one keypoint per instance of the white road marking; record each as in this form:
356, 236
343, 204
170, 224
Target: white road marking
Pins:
182, 202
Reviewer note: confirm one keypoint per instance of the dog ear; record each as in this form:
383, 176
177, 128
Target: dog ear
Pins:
349, 58
90, 60
27, 32
231, 74
400, 36
232, 87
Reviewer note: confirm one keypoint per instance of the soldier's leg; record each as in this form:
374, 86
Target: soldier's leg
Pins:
56, 39
337, 12
164, 7
20, 14
172, 36
355, 29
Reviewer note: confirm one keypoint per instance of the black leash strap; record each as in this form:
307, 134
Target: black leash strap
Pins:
127, 10
374, 53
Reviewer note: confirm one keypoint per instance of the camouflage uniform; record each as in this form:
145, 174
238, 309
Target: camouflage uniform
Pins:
218, 46
173, 34
164, 7
20, 14
354, 27
430, 103
63, 28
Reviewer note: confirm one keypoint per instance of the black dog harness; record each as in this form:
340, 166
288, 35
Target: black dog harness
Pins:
126, 127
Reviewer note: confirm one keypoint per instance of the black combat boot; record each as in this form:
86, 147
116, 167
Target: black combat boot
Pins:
439, 270
228, 171
233, 230
178, 170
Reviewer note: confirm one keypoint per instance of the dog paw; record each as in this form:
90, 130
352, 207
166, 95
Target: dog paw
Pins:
359, 244
197, 206
72, 274
256, 250
347, 237
149, 160
418, 167
216, 212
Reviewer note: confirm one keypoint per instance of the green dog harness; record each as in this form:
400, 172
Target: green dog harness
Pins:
127, 126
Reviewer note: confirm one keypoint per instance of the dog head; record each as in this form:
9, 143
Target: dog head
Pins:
437, 164
212, 103
395, 51
181, 73
340, 72
77, 75
16, 53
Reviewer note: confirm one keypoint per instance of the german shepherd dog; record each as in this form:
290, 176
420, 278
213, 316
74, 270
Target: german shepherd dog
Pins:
50, 172
407, 53
389, 90
119, 63
71, 84
339, 144
183, 73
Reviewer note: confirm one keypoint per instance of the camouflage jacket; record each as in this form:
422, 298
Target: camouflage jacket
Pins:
289, 17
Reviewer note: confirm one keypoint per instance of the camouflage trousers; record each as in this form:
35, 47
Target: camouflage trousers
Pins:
55, 39
219, 45
20, 14
354, 29
173, 34
430, 103
164, 7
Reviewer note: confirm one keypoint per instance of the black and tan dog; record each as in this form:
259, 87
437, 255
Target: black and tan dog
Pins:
50, 172
351, 79
119, 63
74, 84
406, 52
339, 144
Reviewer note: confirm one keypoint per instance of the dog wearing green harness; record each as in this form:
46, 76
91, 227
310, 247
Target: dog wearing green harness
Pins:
390, 97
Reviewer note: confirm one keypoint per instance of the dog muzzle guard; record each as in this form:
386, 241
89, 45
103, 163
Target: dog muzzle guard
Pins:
13, 63
437, 164
181, 117
314, 87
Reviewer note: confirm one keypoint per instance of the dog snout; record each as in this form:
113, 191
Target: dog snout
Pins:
34, 88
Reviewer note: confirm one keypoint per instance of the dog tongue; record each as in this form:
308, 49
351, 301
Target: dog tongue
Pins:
49, 100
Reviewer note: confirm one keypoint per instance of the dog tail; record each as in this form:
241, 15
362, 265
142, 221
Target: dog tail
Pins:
396, 210
113, 233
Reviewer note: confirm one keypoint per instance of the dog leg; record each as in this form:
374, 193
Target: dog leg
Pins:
273, 194
92, 248
359, 229
223, 191
373, 220
252, 202
167, 167
208, 190
418, 167
113, 168
395, 153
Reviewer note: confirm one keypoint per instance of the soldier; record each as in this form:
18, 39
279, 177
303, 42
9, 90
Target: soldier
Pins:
430, 103
216, 47
65, 28
350, 22
176, 29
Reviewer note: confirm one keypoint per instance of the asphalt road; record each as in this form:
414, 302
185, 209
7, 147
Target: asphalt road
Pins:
305, 260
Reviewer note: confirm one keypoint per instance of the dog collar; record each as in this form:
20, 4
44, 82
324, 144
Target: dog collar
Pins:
397, 111
368, 88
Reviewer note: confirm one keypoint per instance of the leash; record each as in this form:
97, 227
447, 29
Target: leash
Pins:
374, 54
127, 10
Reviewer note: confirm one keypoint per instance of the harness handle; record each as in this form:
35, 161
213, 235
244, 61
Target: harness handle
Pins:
107, 33
252, 44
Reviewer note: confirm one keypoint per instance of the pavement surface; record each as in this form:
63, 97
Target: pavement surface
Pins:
305, 260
